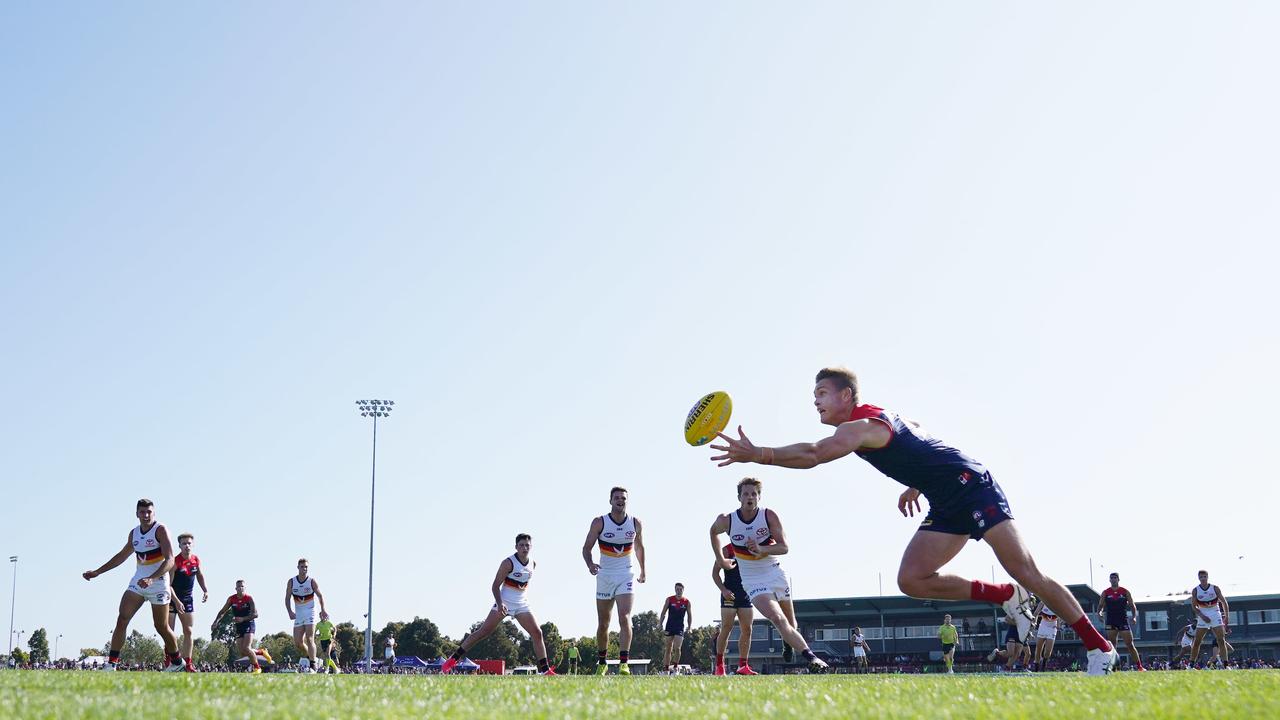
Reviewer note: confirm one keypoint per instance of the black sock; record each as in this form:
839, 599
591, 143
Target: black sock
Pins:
459, 653
602, 657
624, 656
113, 656
542, 665
808, 655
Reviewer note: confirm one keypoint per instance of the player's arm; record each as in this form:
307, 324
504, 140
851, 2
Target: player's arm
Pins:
115, 560
593, 534
203, 588
1133, 606
688, 616
253, 610
639, 547
504, 569
1226, 608
779, 546
662, 616
166, 550
315, 588
848, 437
720, 526
288, 598
218, 616
719, 581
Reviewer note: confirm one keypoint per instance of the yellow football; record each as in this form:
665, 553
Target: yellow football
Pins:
708, 416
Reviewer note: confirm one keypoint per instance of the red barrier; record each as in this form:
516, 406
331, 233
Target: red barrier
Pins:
492, 667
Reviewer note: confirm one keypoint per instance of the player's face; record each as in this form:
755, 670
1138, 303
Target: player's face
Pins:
749, 496
618, 501
146, 514
240, 589
679, 590
524, 546
302, 569
1204, 578
833, 404
185, 544
1115, 580
946, 619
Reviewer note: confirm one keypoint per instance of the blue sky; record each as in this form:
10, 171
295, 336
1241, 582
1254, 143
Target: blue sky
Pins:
1046, 232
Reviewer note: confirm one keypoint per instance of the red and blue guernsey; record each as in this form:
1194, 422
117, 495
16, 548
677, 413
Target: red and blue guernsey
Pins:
184, 574
963, 497
1116, 602
677, 608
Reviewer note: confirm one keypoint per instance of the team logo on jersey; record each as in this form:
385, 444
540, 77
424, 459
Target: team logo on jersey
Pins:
608, 534
630, 534
977, 518
964, 477
738, 538
762, 532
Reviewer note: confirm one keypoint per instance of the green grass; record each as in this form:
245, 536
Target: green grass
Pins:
1252, 694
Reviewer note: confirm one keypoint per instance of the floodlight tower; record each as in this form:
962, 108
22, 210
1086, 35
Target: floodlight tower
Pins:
372, 409
13, 598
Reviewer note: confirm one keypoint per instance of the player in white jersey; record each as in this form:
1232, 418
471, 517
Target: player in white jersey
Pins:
1211, 614
619, 536
758, 539
510, 595
861, 649
1185, 638
150, 543
1046, 635
300, 596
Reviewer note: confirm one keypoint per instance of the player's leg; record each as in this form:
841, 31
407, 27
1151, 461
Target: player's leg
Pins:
666, 652
490, 623
530, 625
1048, 653
746, 616
188, 635
623, 605
788, 609
767, 605
1016, 559
160, 619
1195, 643
918, 574
130, 602
604, 613
309, 637
727, 616
677, 644
1127, 636
1220, 633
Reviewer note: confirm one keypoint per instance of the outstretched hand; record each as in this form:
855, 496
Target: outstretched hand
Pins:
735, 451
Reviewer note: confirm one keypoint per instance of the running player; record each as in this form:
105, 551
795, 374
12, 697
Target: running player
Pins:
300, 595
676, 619
1212, 613
964, 502
1117, 603
185, 574
618, 535
758, 538
150, 543
243, 613
1014, 648
860, 649
510, 586
948, 636
389, 654
1046, 635
1185, 638
328, 648
735, 605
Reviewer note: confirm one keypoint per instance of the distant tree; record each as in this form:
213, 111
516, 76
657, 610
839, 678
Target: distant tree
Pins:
421, 638
90, 652
224, 631
141, 649
550, 638
20, 657
281, 648
391, 629
699, 647
39, 644
214, 652
350, 642
647, 639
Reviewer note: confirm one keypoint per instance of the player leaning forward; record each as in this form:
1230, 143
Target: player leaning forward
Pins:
758, 539
300, 596
964, 502
150, 543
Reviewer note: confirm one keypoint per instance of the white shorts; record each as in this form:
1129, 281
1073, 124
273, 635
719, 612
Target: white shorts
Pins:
517, 603
612, 585
773, 582
859, 652
304, 614
1215, 617
1048, 631
1186, 641
390, 654
157, 593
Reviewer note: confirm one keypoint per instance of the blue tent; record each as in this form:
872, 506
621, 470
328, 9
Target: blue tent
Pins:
412, 663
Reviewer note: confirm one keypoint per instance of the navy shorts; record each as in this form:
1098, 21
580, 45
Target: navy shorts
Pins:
1011, 635
245, 628
674, 631
740, 600
947, 647
980, 508
1122, 625
187, 602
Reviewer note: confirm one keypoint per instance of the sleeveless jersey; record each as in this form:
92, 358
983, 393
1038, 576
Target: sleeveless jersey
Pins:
1117, 602
1189, 632
241, 607
146, 547
615, 542
1205, 597
677, 607
740, 530
913, 458
1047, 614
184, 574
302, 592
858, 640
520, 575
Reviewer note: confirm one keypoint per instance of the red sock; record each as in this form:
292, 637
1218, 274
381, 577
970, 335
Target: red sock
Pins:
742, 662
719, 659
990, 592
1089, 635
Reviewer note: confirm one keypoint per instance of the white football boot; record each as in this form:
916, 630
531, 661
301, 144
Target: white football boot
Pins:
1100, 662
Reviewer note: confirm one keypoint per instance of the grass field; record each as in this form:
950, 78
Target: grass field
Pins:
1251, 694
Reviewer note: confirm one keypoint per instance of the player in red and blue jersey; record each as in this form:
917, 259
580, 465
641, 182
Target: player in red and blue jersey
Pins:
676, 619
964, 502
243, 613
182, 579
1117, 603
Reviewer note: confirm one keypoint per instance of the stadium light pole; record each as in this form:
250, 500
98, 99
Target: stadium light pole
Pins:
372, 409
13, 598
55, 647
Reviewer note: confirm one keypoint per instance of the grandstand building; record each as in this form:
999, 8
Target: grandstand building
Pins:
903, 631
